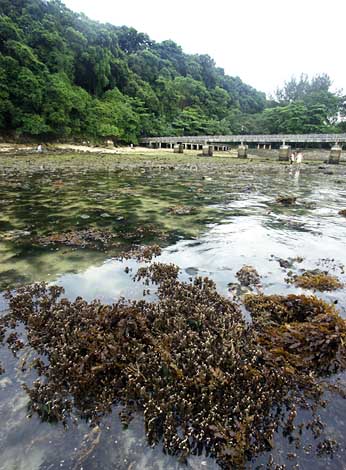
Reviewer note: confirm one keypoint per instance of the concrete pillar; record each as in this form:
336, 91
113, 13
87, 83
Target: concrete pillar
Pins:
178, 148
264, 146
284, 153
207, 150
335, 154
242, 151
258, 146
159, 145
270, 146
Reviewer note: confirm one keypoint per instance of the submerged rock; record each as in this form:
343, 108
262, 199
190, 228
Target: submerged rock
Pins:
288, 263
191, 271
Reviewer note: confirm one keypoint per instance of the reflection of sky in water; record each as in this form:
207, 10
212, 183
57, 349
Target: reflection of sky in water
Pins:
107, 282
219, 254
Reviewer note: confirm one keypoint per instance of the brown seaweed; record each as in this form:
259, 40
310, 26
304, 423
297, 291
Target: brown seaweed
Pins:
248, 276
182, 210
286, 200
90, 238
299, 332
317, 280
142, 253
205, 380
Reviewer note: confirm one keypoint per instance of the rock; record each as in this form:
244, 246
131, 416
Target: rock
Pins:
191, 271
286, 200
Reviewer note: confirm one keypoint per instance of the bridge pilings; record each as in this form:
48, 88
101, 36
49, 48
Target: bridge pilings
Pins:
284, 153
242, 151
207, 150
178, 148
335, 154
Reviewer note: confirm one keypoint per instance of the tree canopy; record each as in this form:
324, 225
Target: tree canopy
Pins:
63, 75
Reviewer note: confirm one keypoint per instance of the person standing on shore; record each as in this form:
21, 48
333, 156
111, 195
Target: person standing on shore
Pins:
292, 158
299, 158
39, 148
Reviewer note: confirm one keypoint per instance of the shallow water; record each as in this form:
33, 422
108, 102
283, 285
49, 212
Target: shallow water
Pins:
236, 221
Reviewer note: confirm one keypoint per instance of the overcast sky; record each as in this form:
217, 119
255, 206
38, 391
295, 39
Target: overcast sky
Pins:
264, 42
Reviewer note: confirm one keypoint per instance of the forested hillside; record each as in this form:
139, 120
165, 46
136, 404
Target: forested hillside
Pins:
65, 76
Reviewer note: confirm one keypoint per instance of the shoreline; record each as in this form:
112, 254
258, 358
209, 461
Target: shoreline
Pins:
163, 155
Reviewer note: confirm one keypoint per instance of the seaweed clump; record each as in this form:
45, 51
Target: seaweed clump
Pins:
286, 200
248, 276
301, 333
142, 253
205, 380
88, 238
143, 232
317, 280
181, 210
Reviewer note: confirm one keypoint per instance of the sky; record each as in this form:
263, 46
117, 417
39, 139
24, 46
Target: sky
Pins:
264, 42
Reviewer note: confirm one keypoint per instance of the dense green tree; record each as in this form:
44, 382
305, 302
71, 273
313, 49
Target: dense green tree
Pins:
322, 105
113, 117
63, 75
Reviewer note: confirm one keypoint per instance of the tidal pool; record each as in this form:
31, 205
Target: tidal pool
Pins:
233, 219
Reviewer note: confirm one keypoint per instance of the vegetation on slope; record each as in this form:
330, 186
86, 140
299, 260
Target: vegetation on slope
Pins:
63, 75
